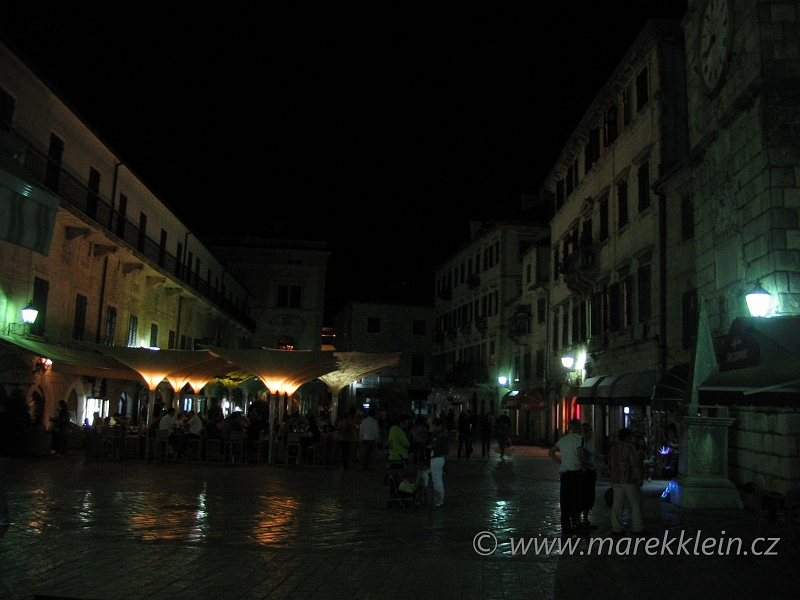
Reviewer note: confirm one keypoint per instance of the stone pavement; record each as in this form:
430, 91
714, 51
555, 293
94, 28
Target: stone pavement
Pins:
114, 530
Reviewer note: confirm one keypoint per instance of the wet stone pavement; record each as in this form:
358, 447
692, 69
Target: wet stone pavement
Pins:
113, 530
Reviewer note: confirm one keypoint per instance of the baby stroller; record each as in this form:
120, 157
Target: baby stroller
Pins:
400, 480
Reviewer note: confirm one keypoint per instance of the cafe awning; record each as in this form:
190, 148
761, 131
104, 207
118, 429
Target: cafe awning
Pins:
528, 399
622, 389
351, 366
587, 393
73, 361
759, 364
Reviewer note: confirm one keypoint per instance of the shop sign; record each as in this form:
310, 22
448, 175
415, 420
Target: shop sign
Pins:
740, 350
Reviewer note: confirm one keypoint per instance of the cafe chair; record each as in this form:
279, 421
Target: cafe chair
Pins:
234, 447
163, 449
214, 450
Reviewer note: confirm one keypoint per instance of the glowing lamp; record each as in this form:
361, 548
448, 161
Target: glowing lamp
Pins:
568, 362
502, 380
29, 314
758, 301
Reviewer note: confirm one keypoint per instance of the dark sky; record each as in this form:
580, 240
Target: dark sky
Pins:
383, 128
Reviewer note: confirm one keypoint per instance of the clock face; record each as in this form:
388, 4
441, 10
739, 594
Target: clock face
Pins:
715, 41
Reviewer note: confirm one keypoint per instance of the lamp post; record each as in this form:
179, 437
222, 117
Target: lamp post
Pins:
29, 314
758, 301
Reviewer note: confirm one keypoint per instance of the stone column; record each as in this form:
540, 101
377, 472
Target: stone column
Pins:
703, 481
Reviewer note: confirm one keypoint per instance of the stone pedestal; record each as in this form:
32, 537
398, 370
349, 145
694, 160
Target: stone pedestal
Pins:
703, 481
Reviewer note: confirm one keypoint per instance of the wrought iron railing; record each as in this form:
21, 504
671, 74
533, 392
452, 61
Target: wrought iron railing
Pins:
72, 190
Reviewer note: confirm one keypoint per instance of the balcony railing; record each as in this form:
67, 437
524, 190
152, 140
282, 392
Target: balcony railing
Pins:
74, 192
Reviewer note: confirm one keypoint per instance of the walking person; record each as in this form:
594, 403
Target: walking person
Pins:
626, 480
439, 450
344, 434
370, 433
464, 436
503, 431
568, 453
487, 425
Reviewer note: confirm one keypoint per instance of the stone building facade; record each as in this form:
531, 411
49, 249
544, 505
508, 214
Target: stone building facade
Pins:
482, 320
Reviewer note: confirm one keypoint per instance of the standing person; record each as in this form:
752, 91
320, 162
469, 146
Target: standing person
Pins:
626, 480
62, 428
487, 425
370, 433
398, 440
503, 430
344, 435
588, 476
464, 436
568, 453
439, 450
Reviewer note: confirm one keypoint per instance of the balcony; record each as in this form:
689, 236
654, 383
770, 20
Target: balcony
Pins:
74, 192
580, 269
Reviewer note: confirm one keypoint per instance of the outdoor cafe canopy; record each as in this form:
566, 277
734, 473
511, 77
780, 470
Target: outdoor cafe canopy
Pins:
355, 365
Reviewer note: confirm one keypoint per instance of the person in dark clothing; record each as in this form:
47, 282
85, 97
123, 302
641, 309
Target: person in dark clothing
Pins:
487, 425
464, 436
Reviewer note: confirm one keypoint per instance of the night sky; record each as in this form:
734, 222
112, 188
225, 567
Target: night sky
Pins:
383, 128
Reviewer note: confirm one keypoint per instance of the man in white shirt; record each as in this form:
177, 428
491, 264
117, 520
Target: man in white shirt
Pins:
168, 420
195, 424
370, 433
568, 452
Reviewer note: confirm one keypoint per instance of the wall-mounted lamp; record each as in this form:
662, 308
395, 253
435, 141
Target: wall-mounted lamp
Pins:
758, 300
502, 380
568, 362
29, 314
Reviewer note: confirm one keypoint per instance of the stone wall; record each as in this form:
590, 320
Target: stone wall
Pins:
765, 448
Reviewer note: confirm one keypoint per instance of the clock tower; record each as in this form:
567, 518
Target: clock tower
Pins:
743, 92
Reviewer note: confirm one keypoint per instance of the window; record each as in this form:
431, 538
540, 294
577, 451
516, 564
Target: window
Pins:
627, 106
41, 290
555, 330
133, 326
121, 212
526, 365
92, 193
172, 339
576, 334
540, 364
613, 307
111, 326
288, 296
570, 180
622, 204
644, 186
373, 325
417, 365
153, 335
591, 151
559, 194
687, 218
79, 322
689, 319
142, 232
642, 91
528, 272
541, 310
556, 263
610, 125
565, 327
625, 300
6, 110
52, 177
418, 327
162, 248
643, 277
604, 218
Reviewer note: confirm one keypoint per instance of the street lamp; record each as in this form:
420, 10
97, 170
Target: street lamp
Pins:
29, 314
502, 380
568, 362
758, 301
